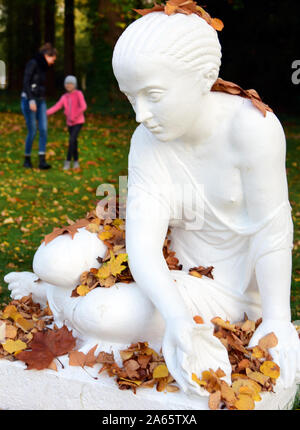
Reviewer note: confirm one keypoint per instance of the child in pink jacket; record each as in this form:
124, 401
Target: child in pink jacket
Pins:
74, 105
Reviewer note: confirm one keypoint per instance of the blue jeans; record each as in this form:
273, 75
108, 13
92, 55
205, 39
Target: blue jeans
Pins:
31, 117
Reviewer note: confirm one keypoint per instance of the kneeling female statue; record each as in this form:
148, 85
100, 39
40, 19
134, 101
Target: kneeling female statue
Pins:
209, 166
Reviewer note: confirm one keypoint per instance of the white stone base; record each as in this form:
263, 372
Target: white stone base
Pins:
73, 389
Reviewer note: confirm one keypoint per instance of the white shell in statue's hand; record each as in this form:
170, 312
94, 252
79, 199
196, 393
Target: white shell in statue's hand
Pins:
189, 348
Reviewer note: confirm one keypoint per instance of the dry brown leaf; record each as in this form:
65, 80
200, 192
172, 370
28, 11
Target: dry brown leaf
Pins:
70, 229
231, 88
45, 346
214, 400
78, 358
198, 319
268, 341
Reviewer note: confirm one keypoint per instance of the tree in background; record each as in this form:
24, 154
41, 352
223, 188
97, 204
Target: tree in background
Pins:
69, 38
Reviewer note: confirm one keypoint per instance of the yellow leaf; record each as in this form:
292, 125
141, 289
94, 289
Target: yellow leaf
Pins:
224, 324
113, 267
244, 403
161, 371
105, 235
257, 352
11, 312
14, 346
82, 290
195, 273
198, 381
118, 223
271, 369
92, 228
25, 325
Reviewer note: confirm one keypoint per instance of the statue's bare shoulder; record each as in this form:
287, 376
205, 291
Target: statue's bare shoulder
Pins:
255, 136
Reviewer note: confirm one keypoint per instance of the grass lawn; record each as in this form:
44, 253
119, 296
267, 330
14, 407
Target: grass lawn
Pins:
33, 202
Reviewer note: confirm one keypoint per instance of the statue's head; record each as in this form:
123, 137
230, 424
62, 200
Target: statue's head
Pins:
166, 65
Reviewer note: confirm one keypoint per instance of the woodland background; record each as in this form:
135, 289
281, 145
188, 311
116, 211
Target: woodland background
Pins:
260, 42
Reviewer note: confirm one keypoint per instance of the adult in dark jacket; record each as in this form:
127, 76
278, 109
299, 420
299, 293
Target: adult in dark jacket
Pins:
33, 103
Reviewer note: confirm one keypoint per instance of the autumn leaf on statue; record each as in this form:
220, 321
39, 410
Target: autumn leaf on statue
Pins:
113, 267
155, 8
45, 346
200, 271
70, 229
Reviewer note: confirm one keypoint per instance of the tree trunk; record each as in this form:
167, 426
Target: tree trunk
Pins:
50, 9
36, 24
49, 36
69, 38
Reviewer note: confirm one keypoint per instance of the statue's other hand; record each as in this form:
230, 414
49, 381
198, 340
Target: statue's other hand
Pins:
191, 348
20, 283
287, 352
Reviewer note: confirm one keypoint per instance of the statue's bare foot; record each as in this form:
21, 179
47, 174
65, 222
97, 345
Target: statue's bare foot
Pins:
20, 283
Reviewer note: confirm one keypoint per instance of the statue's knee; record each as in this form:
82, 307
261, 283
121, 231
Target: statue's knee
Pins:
63, 260
121, 313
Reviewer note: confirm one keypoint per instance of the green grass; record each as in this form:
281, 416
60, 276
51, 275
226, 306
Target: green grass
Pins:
33, 202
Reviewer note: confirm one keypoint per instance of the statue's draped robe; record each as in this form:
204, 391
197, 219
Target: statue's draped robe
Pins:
204, 236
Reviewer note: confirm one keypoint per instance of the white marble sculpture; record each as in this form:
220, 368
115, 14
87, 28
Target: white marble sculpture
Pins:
192, 146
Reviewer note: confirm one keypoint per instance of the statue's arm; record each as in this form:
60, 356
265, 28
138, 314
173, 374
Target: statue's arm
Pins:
145, 234
262, 150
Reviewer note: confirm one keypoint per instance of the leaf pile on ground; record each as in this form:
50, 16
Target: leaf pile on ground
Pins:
142, 367
253, 370
31, 337
20, 321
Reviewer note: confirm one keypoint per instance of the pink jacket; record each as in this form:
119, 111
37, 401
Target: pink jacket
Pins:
74, 105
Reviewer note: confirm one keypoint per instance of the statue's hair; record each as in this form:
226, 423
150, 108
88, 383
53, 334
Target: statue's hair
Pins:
187, 38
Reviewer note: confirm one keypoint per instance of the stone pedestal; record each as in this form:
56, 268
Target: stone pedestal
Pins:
73, 389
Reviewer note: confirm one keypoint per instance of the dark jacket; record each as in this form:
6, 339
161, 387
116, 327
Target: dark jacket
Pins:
35, 77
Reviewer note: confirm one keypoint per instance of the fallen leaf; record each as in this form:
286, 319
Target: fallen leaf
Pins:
14, 346
78, 358
160, 371
214, 400
268, 341
244, 403
271, 369
45, 346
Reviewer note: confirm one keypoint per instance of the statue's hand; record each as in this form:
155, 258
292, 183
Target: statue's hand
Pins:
287, 352
192, 348
21, 283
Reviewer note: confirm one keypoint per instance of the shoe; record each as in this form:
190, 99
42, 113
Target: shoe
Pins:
76, 165
43, 165
67, 165
27, 162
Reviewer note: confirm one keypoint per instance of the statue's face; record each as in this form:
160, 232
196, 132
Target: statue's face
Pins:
164, 95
